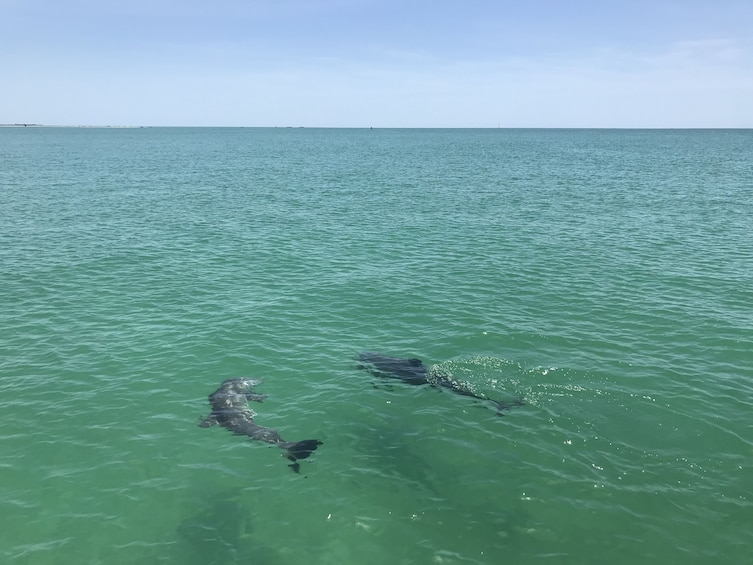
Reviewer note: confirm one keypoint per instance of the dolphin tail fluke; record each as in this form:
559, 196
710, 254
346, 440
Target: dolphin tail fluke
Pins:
295, 450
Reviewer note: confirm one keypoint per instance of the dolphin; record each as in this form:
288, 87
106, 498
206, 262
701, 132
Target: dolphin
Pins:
412, 371
230, 410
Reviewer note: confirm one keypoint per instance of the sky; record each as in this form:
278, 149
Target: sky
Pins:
378, 63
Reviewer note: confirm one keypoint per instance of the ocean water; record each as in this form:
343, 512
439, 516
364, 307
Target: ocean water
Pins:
605, 277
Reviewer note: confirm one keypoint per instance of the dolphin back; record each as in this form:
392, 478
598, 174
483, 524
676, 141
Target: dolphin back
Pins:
409, 370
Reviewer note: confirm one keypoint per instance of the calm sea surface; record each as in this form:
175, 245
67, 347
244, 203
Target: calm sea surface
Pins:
605, 277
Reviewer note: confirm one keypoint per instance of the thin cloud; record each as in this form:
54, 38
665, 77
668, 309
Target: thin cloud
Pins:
387, 63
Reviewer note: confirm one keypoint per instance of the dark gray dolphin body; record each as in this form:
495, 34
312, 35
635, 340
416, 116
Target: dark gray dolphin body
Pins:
413, 371
230, 410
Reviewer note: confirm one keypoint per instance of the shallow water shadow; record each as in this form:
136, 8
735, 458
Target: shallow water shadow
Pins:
387, 451
221, 533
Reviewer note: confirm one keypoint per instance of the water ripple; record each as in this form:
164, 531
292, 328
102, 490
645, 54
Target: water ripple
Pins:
598, 276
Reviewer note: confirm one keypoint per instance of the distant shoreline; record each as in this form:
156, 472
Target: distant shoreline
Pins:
64, 126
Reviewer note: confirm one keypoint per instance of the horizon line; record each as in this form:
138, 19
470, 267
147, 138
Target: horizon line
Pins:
114, 126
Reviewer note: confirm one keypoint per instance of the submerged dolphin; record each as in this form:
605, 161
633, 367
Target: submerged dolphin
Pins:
413, 371
230, 410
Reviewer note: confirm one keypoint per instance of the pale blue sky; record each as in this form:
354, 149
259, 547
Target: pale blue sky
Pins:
381, 63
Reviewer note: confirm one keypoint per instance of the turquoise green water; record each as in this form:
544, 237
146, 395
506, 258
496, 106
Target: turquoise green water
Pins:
606, 277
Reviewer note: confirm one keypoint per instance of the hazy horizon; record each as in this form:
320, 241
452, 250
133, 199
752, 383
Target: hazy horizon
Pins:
209, 126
